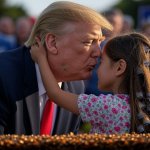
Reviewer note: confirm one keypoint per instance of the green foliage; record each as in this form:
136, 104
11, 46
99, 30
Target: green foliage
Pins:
12, 11
85, 128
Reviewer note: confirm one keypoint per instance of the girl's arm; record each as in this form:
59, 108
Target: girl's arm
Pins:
64, 99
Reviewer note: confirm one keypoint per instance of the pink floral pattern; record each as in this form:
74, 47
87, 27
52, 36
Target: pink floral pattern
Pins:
106, 113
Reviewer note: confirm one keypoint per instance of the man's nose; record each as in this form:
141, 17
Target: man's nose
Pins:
96, 51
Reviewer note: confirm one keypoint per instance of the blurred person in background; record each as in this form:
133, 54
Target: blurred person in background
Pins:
7, 34
145, 29
7, 25
116, 18
23, 30
128, 24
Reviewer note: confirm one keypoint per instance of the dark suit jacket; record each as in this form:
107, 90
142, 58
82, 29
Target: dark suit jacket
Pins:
19, 106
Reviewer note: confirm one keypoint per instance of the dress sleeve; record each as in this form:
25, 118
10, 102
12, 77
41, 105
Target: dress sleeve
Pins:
89, 106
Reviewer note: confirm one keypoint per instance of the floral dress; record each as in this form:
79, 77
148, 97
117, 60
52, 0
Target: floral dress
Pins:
106, 113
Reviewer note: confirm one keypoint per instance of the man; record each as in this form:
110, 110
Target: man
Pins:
71, 34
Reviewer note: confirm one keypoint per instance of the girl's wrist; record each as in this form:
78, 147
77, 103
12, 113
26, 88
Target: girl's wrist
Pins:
42, 60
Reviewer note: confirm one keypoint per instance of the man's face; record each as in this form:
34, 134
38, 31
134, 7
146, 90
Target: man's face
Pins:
78, 50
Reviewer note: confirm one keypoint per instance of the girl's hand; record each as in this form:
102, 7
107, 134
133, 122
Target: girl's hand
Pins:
38, 51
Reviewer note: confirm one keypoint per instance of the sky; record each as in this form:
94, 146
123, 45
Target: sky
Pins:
35, 7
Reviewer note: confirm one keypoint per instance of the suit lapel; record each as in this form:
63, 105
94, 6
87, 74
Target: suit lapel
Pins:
31, 98
32, 103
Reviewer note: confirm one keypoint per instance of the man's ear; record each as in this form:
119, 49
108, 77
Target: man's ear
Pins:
120, 67
50, 43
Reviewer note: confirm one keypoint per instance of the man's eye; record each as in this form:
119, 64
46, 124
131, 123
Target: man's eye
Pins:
87, 42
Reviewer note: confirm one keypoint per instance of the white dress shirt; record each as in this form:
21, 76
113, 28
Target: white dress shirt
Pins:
43, 96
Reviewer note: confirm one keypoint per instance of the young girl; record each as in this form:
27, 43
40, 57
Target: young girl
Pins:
124, 71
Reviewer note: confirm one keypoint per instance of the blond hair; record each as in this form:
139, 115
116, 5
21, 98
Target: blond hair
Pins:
57, 14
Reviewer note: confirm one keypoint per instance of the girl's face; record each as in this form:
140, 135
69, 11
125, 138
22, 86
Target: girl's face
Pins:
106, 73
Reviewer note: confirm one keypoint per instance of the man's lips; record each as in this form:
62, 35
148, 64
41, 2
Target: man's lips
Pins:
91, 67
92, 64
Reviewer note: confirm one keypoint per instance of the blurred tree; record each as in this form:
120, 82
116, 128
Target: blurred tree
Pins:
130, 7
12, 11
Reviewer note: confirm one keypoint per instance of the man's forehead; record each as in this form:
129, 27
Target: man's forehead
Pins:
93, 33
82, 26
84, 31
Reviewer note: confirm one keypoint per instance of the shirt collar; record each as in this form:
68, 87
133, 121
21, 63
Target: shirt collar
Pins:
40, 82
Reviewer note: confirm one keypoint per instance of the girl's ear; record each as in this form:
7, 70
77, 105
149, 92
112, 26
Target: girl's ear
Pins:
121, 67
50, 43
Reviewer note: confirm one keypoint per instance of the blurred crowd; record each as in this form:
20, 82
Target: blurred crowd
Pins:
14, 33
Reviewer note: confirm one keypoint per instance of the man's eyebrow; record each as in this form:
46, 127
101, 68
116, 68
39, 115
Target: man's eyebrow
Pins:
100, 37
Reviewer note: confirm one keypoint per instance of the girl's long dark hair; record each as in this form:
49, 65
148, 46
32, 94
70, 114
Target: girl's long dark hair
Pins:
134, 48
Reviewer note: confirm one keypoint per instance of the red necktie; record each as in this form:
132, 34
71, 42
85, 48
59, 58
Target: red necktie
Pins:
47, 118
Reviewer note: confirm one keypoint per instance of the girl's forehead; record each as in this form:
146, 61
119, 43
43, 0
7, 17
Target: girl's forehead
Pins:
103, 53
103, 50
